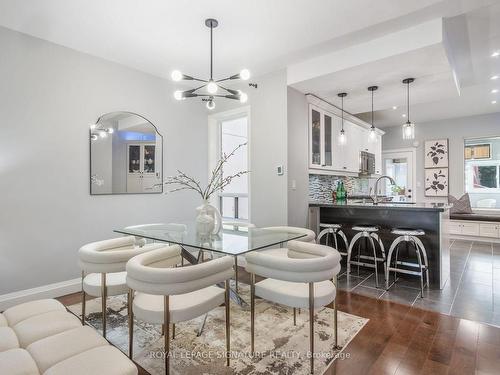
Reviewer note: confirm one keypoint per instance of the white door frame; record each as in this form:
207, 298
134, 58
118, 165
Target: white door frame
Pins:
214, 143
413, 151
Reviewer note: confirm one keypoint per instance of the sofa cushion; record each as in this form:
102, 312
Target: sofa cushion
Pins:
8, 339
475, 217
26, 310
17, 362
460, 205
101, 360
53, 349
3, 321
44, 325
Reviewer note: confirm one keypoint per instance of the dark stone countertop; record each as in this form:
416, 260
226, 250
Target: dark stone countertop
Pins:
441, 207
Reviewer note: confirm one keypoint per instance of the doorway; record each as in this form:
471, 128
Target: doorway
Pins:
400, 165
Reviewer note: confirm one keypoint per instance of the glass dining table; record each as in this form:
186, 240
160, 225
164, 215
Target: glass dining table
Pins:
234, 239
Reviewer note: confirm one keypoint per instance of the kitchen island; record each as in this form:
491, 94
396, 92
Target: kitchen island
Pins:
432, 218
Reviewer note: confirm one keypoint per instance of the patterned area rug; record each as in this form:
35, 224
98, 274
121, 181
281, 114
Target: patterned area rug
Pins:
281, 347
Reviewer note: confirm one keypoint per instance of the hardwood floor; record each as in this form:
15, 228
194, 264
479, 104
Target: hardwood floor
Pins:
401, 339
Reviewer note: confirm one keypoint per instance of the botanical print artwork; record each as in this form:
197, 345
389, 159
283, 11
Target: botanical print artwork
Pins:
436, 153
436, 182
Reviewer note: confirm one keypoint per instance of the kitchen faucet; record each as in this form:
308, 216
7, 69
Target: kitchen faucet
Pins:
375, 197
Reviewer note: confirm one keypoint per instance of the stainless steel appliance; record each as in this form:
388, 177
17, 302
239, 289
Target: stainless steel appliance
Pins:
366, 163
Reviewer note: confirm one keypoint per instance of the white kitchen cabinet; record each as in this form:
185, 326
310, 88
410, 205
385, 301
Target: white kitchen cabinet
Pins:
470, 229
326, 155
142, 173
488, 230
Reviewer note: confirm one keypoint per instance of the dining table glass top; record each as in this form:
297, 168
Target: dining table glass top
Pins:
231, 240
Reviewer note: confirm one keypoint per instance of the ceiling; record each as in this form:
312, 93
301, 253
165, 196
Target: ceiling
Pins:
158, 36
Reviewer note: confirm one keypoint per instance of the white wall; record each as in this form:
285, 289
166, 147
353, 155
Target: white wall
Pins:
298, 158
48, 97
268, 146
456, 130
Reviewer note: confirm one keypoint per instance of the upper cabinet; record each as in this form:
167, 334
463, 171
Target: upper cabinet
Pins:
326, 155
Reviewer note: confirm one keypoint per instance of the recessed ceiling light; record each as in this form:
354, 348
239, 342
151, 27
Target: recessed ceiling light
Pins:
403, 115
494, 91
394, 107
493, 102
494, 77
495, 54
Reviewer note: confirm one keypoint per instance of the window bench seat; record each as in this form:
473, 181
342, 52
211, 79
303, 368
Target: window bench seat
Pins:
478, 226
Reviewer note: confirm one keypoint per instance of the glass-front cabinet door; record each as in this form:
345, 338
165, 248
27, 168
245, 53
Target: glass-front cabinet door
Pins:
315, 137
321, 135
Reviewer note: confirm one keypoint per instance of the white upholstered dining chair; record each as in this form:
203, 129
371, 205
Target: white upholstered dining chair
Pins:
103, 268
309, 236
303, 279
161, 294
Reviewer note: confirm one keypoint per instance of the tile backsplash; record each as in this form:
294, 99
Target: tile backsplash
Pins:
321, 186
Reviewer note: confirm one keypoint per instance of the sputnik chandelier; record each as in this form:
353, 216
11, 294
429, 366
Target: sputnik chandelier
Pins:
212, 86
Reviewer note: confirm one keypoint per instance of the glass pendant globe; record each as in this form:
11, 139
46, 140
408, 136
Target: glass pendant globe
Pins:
342, 138
176, 75
408, 130
212, 87
243, 97
178, 95
210, 104
245, 74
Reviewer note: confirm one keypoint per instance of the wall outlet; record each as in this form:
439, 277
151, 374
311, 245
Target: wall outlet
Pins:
279, 170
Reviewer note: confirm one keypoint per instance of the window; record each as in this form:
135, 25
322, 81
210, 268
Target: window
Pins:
482, 172
234, 199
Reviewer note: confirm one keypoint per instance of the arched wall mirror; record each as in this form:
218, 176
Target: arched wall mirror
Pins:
126, 155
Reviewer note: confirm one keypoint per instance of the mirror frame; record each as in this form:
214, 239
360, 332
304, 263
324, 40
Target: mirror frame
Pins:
90, 156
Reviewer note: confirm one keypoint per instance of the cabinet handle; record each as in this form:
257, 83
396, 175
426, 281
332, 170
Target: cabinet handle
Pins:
345, 167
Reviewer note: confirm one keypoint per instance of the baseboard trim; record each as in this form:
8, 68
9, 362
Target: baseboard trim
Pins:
45, 291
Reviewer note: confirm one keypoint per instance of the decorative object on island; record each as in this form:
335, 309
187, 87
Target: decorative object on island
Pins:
216, 183
408, 126
342, 137
436, 153
373, 135
436, 182
212, 86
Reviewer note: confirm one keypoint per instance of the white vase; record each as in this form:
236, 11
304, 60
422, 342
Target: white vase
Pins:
204, 223
211, 211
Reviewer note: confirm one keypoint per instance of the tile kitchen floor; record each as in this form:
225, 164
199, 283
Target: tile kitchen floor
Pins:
472, 292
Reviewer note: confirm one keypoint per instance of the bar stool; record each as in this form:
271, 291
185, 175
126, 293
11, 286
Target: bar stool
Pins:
369, 233
408, 236
332, 230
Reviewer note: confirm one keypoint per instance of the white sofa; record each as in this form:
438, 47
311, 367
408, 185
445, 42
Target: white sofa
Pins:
42, 337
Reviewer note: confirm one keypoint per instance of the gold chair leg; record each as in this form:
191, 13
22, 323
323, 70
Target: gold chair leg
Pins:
335, 316
311, 323
130, 301
83, 300
228, 320
166, 327
236, 272
294, 316
252, 313
104, 296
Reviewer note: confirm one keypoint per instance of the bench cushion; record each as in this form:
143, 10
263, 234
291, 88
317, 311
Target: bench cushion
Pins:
475, 217
26, 310
101, 360
8, 339
53, 349
17, 362
44, 325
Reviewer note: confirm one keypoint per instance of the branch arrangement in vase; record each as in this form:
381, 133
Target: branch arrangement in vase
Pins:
217, 181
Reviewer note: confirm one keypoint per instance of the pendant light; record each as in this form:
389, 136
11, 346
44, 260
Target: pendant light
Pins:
373, 134
211, 85
408, 126
342, 137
